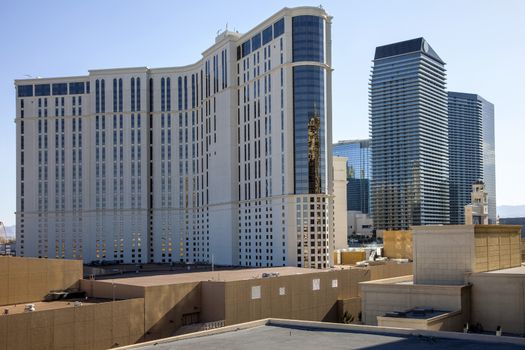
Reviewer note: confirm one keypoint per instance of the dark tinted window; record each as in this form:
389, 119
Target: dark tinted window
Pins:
267, 35
256, 42
278, 28
308, 38
25, 90
239, 52
76, 88
60, 89
308, 105
42, 90
246, 48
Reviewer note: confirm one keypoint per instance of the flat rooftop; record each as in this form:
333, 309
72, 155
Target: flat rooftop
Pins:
308, 336
170, 278
50, 305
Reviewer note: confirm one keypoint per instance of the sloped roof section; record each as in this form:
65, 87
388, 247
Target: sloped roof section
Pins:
408, 46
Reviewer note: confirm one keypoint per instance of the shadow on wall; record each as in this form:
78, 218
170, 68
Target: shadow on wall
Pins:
421, 342
167, 308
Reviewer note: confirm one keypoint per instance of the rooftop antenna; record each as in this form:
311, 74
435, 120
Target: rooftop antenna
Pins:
226, 26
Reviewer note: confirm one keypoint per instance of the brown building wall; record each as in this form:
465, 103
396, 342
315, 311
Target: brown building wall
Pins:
98, 289
352, 307
89, 327
351, 258
397, 244
212, 301
27, 279
169, 307
522, 249
300, 301
378, 272
497, 247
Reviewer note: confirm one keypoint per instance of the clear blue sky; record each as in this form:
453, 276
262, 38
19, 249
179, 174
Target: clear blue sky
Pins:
483, 43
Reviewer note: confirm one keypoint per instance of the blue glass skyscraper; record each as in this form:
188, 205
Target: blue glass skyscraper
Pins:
409, 130
358, 173
471, 149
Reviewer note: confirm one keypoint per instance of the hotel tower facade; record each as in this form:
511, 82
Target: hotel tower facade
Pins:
227, 159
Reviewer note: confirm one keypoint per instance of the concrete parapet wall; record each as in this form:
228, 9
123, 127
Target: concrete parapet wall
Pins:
498, 299
89, 327
31, 279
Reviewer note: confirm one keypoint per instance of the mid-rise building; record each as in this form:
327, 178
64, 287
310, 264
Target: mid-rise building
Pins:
471, 150
358, 173
227, 159
409, 130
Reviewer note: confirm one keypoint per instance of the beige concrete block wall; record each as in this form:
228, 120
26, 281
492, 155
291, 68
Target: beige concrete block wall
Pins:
30, 279
89, 327
398, 244
389, 295
453, 322
498, 299
443, 254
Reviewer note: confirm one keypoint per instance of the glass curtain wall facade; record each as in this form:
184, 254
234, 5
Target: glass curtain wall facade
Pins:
311, 142
471, 148
358, 173
409, 132
309, 105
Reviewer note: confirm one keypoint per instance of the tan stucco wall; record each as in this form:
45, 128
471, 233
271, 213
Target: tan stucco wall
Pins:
389, 295
30, 279
89, 327
498, 299
397, 244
